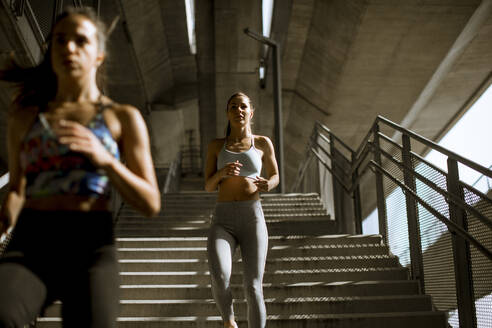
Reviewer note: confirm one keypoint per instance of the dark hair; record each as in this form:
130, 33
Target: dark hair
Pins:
237, 94
37, 85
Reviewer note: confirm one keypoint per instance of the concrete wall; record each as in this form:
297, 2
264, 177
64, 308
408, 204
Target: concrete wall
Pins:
167, 134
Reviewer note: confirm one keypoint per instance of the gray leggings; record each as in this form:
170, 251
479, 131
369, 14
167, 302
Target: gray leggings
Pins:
239, 223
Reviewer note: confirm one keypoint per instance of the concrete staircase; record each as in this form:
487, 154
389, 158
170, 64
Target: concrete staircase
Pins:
313, 278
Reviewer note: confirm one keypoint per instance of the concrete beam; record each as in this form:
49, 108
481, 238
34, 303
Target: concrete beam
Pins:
480, 17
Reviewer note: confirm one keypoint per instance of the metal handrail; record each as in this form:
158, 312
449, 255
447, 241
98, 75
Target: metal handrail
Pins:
324, 128
407, 162
172, 173
435, 146
337, 177
480, 178
374, 154
447, 195
363, 151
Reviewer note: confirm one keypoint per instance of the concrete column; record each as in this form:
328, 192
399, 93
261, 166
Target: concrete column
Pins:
237, 55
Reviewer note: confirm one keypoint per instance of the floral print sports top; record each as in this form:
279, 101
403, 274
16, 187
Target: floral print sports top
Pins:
51, 168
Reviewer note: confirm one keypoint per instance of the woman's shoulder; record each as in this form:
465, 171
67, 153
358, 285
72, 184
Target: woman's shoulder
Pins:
123, 110
20, 120
125, 114
22, 116
216, 143
262, 142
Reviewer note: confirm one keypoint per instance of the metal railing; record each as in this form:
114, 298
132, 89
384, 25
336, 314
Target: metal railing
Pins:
173, 176
190, 160
439, 226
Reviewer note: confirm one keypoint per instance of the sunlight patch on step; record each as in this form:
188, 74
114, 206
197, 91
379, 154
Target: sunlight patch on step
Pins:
192, 301
158, 319
144, 239
162, 261
174, 273
188, 286
162, 249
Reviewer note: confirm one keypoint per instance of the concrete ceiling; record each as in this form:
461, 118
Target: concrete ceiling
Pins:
416, 62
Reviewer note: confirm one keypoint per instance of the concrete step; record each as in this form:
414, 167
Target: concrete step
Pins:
295, 305
424, 319
289, 197
278, 291
166, 216
196, 208
272, 265
341, 252
320, 276
201, 219
187, 206
310, 227
273, 241
197, 204
145, 242
211, 197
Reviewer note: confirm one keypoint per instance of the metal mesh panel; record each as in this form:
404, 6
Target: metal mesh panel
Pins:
396, 211
481, 265
397, 224
43, 11
437, 250
310, 183
436, 241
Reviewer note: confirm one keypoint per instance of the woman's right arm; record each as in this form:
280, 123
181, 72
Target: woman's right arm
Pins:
14, 200
212, 176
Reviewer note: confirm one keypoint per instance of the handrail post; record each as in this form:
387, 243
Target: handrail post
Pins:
461, 251
337, 200
277, 102
356, 198
416, 259
381, 203
277, 99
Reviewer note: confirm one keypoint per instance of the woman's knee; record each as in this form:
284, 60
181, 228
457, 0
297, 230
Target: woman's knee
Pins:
253, 289
22, 295
220, 280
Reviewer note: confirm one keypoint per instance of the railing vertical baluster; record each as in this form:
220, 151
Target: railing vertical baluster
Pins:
381, 203
461, 252
417, 263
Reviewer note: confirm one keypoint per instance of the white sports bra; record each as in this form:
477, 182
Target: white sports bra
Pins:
251, 160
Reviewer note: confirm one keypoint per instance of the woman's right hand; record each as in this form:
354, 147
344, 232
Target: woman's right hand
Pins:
231, 169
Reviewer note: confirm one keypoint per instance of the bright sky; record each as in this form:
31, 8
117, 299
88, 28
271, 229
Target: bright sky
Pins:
267, 11
267, 16
190, 20
471, 138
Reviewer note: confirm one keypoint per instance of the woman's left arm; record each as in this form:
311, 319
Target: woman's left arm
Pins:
136, 182
271, 167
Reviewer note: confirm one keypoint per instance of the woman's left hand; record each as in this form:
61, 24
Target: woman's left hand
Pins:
80, 139
261, 183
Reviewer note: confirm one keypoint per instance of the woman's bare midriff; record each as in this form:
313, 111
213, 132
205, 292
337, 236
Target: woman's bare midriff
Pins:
68, 203
237, 189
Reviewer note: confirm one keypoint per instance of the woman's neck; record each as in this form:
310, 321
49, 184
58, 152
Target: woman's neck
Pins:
77, 91
239, 135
